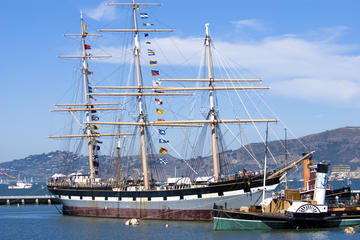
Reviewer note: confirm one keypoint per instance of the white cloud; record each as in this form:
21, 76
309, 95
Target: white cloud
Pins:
320, 70
247, 23
319, 89
101, 12
330, 33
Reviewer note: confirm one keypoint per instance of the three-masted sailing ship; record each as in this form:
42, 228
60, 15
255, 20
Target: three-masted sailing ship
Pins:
180, 199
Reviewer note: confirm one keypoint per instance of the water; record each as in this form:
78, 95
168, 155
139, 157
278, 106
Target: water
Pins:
46, 222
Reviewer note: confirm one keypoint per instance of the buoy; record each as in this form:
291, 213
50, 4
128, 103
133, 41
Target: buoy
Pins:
166, 225
132, 222
349, 230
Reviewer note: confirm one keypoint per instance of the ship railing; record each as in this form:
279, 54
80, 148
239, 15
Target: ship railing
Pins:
343, 203
68, 183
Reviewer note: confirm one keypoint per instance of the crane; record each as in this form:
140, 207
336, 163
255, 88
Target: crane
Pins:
7, 175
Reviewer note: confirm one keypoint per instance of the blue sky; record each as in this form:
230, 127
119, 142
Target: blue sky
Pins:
307, 51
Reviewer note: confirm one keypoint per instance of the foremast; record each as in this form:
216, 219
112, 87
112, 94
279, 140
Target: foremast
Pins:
87, 105
85, 72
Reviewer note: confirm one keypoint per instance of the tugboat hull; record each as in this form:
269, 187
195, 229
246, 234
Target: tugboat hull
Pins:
229, 220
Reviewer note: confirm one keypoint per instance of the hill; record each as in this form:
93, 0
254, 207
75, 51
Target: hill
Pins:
338, 146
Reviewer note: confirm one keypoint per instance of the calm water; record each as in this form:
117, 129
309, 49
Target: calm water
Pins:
45, 222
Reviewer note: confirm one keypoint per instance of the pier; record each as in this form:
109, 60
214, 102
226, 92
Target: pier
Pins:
28, 200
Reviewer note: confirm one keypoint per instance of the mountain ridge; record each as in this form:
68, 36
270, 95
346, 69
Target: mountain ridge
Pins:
337, 146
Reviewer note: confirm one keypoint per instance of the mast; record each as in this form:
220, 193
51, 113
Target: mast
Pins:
286, 158
212, 112
88, 106
86, 87
265, 159
118, 144
142, 116
140, 100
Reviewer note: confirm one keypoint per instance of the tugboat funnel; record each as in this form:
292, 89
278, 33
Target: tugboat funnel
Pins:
320, 183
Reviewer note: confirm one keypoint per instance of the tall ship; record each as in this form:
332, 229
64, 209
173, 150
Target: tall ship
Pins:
140, 136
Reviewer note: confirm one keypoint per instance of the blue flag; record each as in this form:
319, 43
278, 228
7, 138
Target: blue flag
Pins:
163, 161
162, 132
163, 140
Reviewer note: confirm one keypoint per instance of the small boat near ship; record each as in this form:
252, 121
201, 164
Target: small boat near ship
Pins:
149, 196
290, 211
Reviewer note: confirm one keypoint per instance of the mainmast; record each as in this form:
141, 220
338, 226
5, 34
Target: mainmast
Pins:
212, 111
142, 116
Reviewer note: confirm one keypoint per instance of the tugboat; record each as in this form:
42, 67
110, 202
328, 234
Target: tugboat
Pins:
290, 212
307, 192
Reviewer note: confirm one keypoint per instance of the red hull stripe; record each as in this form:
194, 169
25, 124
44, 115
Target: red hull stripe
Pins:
164, 214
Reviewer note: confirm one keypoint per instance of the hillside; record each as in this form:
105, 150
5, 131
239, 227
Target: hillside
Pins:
338, 146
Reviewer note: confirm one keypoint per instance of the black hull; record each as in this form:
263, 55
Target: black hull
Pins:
236, 220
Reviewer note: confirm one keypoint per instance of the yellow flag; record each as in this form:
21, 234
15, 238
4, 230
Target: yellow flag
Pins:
95, 127
163, 150
138, 7
159, 111
84, 26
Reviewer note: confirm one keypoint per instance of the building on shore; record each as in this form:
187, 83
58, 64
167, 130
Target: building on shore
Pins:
340, 172
343, 172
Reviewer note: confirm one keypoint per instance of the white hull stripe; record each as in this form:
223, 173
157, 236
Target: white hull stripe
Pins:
170, 198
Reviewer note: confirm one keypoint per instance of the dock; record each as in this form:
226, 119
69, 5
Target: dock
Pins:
29, 200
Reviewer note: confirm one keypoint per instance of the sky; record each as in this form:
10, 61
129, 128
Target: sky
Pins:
307, 51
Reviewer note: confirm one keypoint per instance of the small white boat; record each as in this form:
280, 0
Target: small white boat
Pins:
20, 185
